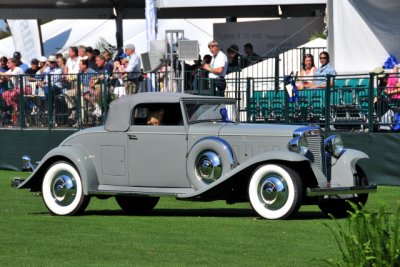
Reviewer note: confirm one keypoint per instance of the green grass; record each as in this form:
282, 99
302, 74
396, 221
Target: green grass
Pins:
177, 233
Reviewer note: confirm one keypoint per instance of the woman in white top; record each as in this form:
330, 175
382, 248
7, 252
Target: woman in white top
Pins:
307, 72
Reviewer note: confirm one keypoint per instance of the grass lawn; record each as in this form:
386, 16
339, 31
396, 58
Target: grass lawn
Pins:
177, 233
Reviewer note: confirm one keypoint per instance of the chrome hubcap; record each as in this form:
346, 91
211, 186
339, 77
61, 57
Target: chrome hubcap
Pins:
208, 166
273, 192
63, 189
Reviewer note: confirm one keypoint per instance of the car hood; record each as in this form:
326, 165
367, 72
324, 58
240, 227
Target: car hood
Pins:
255, 129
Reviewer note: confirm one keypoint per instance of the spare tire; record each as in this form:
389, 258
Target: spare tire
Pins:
208, 160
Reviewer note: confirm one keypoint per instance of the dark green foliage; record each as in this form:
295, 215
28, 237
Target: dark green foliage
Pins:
368, 238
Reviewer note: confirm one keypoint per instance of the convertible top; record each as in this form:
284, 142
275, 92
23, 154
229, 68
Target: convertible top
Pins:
119, 113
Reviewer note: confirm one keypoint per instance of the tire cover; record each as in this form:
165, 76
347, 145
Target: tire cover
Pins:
215, 144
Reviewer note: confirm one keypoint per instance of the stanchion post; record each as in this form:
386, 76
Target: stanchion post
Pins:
370, 103
21, 101
328, 103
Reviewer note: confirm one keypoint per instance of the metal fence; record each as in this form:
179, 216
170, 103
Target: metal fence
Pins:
348, 102
55, 101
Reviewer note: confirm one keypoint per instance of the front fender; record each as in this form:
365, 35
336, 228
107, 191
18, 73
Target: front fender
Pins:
344, 168
79, 157
260, 158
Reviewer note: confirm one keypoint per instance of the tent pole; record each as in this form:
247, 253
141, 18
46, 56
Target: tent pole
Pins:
118, 24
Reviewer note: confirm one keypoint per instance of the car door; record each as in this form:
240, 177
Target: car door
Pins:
157, 154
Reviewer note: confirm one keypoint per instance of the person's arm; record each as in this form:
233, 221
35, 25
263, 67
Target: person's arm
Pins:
216, 71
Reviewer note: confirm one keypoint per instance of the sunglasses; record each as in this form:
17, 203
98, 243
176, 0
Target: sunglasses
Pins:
323, 58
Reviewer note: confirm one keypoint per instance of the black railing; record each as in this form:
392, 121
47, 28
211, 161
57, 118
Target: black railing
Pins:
349, 102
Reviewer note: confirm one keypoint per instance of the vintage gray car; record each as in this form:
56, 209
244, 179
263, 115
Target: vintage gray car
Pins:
197, 150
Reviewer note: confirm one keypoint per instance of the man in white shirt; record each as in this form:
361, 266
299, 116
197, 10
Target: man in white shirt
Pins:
72, 65
12, 72
72, 69
217, 68
132, 80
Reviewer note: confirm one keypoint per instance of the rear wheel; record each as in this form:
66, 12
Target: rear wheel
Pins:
62, 190
275, 191
137, 204
339, 208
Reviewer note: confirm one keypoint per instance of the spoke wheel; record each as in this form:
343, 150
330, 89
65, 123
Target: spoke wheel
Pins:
62, 190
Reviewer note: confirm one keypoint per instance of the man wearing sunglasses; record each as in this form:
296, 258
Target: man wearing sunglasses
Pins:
324, 69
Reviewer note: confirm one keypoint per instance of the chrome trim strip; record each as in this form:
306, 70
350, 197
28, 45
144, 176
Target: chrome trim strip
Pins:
315, 192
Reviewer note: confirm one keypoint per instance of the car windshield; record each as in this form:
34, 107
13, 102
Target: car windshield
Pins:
214, 112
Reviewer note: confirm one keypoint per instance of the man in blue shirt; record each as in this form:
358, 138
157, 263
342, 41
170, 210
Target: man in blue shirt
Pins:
324, 69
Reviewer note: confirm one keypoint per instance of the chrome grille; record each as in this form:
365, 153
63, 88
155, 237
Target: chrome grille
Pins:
315, 140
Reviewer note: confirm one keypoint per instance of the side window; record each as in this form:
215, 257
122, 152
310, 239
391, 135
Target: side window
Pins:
157, 114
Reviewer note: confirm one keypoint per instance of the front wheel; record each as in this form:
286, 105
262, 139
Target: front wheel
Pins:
62, 190
275, 191
137, 204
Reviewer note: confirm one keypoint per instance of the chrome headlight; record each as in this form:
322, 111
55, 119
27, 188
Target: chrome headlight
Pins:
299, 145
334, 145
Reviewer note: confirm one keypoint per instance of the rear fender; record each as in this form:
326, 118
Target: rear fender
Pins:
76, 155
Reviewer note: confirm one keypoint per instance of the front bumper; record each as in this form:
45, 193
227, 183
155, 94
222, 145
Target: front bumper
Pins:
315, 192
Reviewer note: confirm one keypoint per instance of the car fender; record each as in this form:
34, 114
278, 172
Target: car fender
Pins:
344, 168
220, 148
281, 156
76, 155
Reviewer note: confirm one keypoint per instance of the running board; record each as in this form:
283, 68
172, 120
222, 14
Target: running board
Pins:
128, 190
316, 192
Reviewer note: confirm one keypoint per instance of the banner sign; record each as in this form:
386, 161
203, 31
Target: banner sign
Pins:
268, 36
25, 34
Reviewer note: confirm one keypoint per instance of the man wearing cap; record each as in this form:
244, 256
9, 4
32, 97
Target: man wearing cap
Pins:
51, 68
42, 61
132, 79
17, 56
91, 58
33, 69
217, 68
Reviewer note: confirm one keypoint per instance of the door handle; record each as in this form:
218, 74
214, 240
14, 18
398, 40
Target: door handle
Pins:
132, 137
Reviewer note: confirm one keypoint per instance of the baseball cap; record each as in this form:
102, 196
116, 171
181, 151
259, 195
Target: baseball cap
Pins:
17, 54
123, 55
52, 59
379, 71
42, 59
89, 49
130, 46
34, 61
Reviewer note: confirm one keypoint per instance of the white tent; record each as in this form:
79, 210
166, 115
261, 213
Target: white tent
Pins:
362, 34
59, 35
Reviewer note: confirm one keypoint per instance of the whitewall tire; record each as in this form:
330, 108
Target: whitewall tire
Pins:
62, 190
275, 191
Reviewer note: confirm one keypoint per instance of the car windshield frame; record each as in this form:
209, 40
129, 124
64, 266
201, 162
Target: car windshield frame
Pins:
210, 111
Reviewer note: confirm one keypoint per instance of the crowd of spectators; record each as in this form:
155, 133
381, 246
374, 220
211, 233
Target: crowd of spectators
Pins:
82, 73
85, 75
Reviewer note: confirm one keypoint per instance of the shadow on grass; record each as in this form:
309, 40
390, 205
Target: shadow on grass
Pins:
218, 213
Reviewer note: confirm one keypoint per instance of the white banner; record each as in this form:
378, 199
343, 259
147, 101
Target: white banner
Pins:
25, 34
151, 31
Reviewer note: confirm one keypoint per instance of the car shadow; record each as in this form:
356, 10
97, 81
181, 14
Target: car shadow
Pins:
221, 213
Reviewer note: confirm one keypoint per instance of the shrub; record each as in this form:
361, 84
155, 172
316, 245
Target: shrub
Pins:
369, 239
